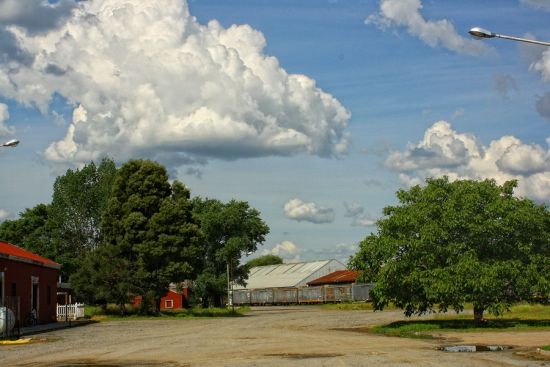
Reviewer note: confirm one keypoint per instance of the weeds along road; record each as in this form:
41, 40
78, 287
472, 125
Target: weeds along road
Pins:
274, 336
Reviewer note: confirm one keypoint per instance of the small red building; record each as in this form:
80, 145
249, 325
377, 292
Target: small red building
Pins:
173, 299
28, 281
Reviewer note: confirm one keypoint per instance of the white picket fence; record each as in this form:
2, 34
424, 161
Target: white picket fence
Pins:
70, 312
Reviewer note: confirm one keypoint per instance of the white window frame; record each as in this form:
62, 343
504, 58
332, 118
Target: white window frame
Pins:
168, 301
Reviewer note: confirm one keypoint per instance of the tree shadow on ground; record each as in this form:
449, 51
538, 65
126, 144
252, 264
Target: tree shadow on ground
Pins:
466, 324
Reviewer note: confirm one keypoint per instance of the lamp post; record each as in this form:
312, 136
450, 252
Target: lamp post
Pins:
11, 143
480, 33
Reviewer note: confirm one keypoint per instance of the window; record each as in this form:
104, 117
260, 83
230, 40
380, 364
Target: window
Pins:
168, 303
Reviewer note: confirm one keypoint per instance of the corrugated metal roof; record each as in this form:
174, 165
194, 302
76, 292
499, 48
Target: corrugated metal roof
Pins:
282, 275
17, 253
339, 276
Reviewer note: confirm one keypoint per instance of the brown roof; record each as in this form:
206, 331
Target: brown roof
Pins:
339, 276
17, 253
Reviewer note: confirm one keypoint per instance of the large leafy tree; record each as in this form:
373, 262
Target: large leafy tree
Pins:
78, 202
148, 231
230, 230
68, 229
449, 243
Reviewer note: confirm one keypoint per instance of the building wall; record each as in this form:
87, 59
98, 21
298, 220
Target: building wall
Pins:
330, 267
18, 278
173, 300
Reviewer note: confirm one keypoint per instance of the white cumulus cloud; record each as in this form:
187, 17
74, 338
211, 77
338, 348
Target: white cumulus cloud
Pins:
340, 252
542, 65
299, 210
147, 79
287, 250
407, 14
4, 214
540, 4
443, 151
4, 116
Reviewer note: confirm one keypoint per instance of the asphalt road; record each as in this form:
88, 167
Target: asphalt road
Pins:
274, 336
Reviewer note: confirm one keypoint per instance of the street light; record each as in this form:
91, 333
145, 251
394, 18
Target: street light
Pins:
480, 33
11, 143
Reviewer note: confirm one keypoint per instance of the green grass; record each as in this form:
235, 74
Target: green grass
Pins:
545, 347
521, 317
348, 306
112, 313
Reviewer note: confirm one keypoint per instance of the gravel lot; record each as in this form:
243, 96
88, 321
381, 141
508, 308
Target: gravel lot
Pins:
274, 336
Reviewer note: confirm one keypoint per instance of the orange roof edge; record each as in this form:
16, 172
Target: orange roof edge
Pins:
18, 253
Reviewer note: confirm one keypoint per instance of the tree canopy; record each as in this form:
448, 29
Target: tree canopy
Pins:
264, 260
68, 228
450, 243
230, 231
149, 238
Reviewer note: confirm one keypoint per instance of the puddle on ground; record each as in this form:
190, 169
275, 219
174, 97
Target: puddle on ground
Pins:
304, 355
474, 348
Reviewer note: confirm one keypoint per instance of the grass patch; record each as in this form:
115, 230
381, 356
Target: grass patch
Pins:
545, 347
112, 313
348, 306
521, 317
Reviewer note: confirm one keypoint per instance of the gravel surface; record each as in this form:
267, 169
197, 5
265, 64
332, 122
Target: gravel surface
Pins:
270, 336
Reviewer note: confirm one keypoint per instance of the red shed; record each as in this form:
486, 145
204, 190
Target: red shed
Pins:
29, 279
173, 299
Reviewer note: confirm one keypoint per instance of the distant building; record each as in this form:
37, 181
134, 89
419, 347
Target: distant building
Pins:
291, 275
28, 284
174, 298
339, 277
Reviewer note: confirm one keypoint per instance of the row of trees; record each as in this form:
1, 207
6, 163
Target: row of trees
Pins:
451, 243
127, 231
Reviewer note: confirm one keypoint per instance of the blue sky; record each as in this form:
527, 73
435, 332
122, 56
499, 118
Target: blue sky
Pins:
315, 112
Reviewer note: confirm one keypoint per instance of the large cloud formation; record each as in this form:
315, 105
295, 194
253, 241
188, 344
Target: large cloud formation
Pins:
406, 13
299, 210
147, 79
443, 151
287, 250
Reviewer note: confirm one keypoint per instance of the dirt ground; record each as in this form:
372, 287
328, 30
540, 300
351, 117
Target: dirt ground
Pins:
274, 336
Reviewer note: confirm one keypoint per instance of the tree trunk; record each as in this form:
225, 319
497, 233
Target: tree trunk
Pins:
122, 309
478, 314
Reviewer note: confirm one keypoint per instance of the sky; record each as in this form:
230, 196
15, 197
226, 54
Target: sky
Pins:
314, 111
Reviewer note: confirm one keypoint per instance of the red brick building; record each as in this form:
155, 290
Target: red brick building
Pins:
32, 280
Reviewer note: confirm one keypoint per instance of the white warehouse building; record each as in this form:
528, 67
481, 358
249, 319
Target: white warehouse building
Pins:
291, 275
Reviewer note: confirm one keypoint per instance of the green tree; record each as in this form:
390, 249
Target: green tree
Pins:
449, 243
148, 231
30, 231
230, 230
78, 201
69, 228
264, 260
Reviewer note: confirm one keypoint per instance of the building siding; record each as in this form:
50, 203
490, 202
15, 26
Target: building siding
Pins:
18, 277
